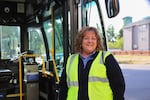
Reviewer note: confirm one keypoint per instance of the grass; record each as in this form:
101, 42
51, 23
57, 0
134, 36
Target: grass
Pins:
133, 59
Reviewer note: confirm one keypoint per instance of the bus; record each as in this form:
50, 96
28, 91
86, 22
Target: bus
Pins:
41, 33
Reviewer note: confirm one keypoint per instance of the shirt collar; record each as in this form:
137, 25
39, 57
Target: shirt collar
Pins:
89, 56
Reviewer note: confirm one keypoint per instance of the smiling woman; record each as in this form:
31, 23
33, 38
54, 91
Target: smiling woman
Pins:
89, 42
88, 37
91, 73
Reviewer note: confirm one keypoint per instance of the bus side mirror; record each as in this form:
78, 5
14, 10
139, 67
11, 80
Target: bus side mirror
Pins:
112, 7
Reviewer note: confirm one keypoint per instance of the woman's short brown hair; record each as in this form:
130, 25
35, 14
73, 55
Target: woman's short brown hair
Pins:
80, 36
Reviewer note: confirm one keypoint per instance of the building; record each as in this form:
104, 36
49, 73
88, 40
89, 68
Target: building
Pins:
137, 35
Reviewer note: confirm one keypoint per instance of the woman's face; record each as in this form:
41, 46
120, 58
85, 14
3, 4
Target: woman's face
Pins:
89, 43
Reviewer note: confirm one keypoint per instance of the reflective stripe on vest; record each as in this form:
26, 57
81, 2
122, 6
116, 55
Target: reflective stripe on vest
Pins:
90, 79
96, 79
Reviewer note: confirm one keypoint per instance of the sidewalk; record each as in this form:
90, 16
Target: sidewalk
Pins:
133, 59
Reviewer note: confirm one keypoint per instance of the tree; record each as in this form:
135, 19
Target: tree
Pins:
111, 34
115, 40
120, 35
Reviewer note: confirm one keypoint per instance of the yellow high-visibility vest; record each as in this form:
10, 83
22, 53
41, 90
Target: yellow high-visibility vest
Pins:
98, 84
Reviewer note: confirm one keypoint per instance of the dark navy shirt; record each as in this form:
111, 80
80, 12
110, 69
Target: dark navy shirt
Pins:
85, 60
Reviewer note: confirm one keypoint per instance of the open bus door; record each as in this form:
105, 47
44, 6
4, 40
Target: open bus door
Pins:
48, 28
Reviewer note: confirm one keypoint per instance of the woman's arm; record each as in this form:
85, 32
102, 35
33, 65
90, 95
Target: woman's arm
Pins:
115, 77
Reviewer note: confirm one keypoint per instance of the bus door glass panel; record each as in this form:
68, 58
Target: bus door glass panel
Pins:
91, 15
48, 30
58, 39
36, 42
58, 30
59, 44
9, 42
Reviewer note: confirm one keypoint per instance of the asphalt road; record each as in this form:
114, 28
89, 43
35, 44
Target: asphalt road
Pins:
137, 78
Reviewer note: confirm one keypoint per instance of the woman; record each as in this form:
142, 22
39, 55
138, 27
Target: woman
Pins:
91, 73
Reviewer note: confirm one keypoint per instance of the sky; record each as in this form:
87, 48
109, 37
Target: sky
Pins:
137, 9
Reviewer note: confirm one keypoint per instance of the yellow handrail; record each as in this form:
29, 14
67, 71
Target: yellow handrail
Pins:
55, 69
52, 50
